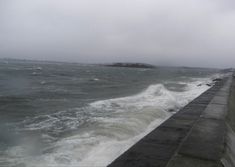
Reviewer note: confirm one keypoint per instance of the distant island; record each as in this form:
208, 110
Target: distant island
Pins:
130, 65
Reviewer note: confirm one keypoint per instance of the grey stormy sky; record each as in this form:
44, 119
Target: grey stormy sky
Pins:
163, 32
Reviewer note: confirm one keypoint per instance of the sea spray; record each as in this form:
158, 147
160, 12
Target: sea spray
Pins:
86, 115
114, 126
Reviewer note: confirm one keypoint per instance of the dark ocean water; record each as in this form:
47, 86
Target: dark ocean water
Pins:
61, 114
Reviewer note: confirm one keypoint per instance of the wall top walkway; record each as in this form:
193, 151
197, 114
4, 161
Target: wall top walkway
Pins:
193, 137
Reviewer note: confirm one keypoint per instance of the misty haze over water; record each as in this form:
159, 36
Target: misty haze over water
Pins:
197, 33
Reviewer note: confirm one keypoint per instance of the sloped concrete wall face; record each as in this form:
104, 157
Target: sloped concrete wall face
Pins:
193, 137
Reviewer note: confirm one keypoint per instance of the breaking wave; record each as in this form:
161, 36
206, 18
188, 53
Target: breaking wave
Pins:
105, 128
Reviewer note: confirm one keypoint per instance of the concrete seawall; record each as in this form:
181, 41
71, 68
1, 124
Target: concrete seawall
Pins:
193, 137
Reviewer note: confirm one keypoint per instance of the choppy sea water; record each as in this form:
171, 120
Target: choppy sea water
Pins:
67, 115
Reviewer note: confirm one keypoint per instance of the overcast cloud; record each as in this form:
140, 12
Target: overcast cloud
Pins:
163, 32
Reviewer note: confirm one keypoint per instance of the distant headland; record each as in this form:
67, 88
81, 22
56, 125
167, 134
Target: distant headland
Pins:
131, 65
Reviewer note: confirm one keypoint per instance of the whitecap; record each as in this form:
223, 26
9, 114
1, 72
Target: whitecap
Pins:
114, 125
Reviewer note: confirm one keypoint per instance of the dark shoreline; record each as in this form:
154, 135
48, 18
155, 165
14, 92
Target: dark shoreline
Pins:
130, 65
11, 60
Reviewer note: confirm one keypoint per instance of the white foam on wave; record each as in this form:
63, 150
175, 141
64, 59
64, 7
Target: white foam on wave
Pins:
115, 125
